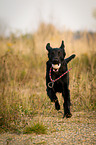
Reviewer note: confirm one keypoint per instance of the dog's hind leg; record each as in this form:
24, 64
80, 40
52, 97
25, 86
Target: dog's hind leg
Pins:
53, 98
66, 105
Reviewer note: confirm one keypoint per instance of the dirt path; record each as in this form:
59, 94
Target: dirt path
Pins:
80, 129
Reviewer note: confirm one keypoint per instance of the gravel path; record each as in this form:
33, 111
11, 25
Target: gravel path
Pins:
80, 129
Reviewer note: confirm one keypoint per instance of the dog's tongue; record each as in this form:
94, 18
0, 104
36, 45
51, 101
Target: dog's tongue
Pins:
55, 70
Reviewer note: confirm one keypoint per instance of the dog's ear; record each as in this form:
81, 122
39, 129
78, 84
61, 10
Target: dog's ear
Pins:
62, 45
48, 47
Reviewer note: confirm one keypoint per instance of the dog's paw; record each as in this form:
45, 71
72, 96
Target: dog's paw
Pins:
57, 106
68, 115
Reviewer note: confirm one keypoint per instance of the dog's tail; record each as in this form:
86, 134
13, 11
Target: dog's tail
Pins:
70, 58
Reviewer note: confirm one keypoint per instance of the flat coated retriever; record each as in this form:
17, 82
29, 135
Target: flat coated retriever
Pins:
56, 80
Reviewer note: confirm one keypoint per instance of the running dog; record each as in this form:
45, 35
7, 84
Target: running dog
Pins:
57, 77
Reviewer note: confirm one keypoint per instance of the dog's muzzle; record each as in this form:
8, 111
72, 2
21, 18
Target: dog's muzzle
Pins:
56, 67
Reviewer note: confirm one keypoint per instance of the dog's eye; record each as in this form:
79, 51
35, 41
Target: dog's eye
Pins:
58, 52
52, 53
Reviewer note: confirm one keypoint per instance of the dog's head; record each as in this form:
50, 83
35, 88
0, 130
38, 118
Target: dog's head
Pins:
56, 55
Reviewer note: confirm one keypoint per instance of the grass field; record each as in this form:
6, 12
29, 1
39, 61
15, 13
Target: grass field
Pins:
22, 76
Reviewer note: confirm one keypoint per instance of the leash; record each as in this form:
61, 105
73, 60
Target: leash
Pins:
51, 84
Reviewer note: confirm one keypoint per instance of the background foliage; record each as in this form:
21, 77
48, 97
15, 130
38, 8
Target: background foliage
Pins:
22, 74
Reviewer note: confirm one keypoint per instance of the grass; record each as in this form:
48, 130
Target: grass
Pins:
84, 88
22, 75
36, 128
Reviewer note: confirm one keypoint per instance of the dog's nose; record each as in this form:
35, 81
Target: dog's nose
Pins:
55, 61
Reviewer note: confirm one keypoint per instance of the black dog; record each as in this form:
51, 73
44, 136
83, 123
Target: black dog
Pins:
55, 67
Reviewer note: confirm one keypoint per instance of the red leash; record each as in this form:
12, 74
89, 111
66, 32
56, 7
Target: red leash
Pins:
50, 84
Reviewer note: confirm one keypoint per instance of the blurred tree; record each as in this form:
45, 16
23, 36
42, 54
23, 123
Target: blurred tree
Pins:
3, 27
94, 13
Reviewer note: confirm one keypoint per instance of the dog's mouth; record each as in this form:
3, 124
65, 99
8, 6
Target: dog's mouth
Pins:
56, 67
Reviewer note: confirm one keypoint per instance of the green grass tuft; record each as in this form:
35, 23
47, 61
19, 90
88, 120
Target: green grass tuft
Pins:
36, 128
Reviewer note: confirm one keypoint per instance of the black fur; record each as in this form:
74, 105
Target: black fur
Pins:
56, 56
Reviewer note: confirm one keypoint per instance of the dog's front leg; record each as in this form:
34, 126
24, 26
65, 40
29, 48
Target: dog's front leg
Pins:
66, 105
53, 98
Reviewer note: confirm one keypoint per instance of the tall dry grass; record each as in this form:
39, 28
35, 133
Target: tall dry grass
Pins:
22, 74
